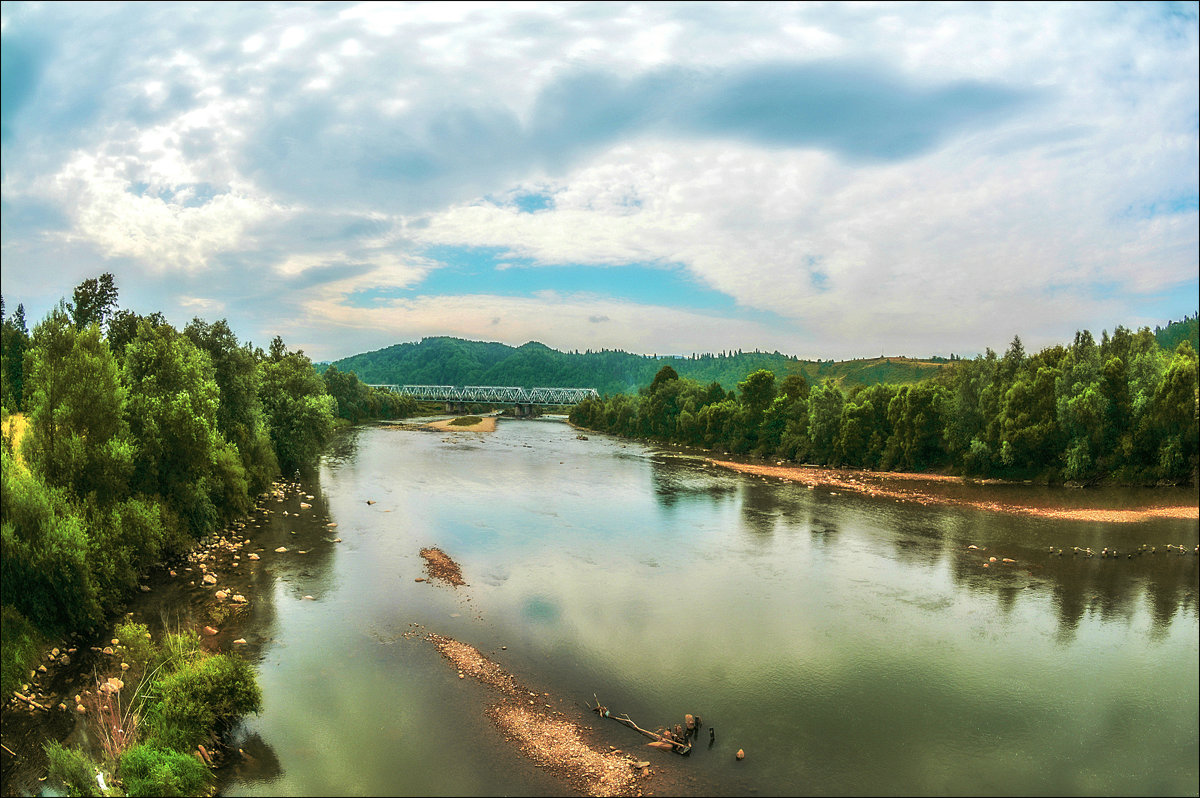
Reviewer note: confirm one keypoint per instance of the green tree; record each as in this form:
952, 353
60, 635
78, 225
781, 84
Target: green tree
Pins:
172, 415
14, 341
240, 411
824, 419
43, 553
298, 409
94, 300
77, 438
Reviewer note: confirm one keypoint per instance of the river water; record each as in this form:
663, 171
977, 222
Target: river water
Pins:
849, 644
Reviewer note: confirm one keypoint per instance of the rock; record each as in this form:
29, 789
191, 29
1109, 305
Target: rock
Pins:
305, 505
107, 650
80, 708
209, 579
640, 765
370, 501
740, 754
222, 594
419, 579
144, 588
172, 573
281, 550
337, 540
252, 556
308, 598
116, 642
238, 598
210, 631
42, 669
241, 641
54, 652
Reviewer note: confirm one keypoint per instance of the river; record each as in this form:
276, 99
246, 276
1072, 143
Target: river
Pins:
849, 644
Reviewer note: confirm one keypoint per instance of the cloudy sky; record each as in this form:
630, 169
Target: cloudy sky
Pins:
833, 180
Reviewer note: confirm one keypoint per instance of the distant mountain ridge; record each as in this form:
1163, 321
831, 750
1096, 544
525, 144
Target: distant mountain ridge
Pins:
456, 361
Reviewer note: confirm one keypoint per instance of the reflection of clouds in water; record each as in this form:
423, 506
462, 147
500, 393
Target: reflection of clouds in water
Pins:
541, 610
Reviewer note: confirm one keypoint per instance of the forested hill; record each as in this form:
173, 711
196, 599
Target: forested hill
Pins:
454, 361
1176, 332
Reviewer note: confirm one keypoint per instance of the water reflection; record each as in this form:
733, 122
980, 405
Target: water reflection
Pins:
1113, 590
850, 644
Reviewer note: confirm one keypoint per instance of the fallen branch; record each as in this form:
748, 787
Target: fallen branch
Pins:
659, 739
31, 702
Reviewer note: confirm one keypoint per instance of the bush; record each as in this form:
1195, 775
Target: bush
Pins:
147, 769
190, 705
19, 647
72, 769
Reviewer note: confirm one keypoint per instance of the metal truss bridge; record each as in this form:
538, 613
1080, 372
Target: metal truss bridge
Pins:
490, 394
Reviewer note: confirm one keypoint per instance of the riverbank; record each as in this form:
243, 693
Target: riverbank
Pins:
939, 489
211, 591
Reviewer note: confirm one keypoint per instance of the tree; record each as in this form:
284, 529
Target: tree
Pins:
14, 340
172, 415
94, 300
78, 438
239, 412
299, 411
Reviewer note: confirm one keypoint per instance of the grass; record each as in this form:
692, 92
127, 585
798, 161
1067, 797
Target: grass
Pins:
466, 421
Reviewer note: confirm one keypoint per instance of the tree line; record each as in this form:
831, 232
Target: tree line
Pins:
1123, 409
139, 440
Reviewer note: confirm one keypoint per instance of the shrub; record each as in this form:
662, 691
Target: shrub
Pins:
19, 647
191, 704
148, 769
72, 769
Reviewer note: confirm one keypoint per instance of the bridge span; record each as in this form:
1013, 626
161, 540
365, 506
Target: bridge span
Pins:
492, 394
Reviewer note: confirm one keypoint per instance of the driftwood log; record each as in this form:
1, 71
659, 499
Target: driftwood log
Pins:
666, 741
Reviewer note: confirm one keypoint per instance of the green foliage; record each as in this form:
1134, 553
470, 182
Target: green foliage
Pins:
239, 411
72, 769
136, 644
94, 300
14, 341
20, 643
44, 573
77, 437
1176, 332
298, 410
465, 421
148, 769
172, 412
1121, 409
189, 704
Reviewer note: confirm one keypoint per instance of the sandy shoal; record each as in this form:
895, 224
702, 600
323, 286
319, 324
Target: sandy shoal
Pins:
889, 485
485, 424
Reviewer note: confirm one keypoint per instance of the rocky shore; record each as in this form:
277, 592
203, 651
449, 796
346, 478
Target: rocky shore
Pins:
937, 489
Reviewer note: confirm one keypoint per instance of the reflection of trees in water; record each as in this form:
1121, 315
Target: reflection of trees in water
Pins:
677, 479
343, 447
919, 543
256, 761
1111, 589
767, 506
